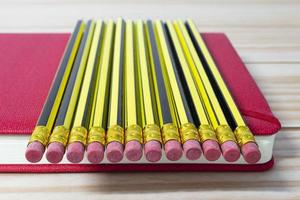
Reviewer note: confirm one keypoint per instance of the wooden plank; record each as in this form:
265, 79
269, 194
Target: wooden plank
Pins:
257, 2
64, 15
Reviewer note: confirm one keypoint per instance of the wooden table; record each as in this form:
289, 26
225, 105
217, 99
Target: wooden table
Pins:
267, 36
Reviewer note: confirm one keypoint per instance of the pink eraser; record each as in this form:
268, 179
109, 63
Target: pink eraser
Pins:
114, 152
95, 152
55, 152
231, 151
34, 152
173, 150
75, 152
152, 150
211, 150
133, 150
251, 152
192, 149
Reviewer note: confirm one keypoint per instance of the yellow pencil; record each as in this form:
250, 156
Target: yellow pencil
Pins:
164, 110
87, 94
60, 135
185, 122
218, 120
39, 138
151, 129
98, 121
133, 131
196, 99
115, 120
243, 134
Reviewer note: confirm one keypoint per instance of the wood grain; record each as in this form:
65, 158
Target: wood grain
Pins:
265, 33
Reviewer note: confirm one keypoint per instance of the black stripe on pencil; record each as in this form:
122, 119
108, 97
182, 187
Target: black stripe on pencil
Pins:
213, 82
188, 132
182, 85
62, 129
120, 114
162, 91
43, 119
39, 138
91, 93
67, 95
243, 134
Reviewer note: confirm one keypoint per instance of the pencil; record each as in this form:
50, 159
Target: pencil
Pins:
166, 119
96, 139
184, 119
39, 138
208, 137
191, 104
151, 131
96, 136
84, 108
196, 104
226, 138
59, 138
133, 131
61, 131
115, 120
244, 136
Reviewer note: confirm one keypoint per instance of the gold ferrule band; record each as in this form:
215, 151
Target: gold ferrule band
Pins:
188, 131
115, 134
134, 132
170, 132
152, 132
60, 134
224, 134
96, 134
243, 135
40, 134
206, 132
78, 134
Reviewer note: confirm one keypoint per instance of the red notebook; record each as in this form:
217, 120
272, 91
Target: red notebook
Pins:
28, 63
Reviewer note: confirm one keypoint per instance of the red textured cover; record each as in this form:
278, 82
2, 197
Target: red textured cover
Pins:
28, 63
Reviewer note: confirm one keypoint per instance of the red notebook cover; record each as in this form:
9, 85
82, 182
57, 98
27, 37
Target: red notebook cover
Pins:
28, 63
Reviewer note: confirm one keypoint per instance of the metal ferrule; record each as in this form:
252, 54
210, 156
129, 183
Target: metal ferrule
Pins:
152, 132
243, 135
115, 134
188, 131
134, 132
96, 134
60, 134
78, 134
206, 132
224, 134
40, 134
170, 132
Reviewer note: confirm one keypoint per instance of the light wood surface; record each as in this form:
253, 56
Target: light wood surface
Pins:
265, 33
